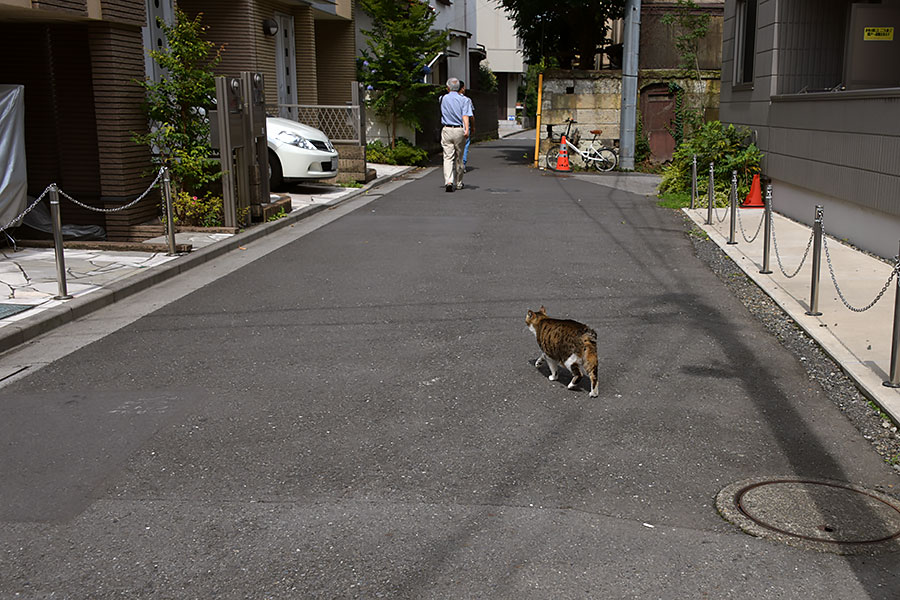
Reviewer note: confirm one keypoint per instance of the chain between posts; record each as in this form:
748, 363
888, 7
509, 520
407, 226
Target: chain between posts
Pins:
81, 204
118, 208
740, 220
884, 289
778, 255
723, 217
54, 192
27, 210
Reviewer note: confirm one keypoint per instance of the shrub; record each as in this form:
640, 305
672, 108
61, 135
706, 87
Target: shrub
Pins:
177, 104
403, 153
721, 144
486, 80
196, 211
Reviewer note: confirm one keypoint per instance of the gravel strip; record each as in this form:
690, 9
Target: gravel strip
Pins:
871, 422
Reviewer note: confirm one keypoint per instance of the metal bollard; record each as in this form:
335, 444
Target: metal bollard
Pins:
170, 221
693, 181
58, 244
710, 195
733, 198
816, 264
894, 380
767, 233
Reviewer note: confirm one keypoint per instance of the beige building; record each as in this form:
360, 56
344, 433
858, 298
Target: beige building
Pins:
78, 61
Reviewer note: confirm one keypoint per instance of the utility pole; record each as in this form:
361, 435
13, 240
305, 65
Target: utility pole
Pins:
628, 123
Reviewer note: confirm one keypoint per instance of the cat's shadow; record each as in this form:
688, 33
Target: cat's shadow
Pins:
565, 377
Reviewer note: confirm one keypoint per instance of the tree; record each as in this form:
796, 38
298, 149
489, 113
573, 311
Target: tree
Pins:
177, 104
401, 43
563, 29
691, 27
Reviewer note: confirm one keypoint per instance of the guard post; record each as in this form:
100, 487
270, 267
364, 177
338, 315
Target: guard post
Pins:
58, 244
733, 198
817, 263
894, 378
767, 232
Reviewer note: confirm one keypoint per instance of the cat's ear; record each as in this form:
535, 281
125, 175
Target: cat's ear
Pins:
543, 310
530, 314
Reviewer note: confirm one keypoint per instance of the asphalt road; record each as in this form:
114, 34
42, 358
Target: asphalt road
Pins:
355, 414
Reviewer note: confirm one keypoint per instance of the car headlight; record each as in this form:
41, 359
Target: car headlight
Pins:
293, 139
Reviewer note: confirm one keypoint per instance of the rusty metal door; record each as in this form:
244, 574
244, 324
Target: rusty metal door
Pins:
658, 114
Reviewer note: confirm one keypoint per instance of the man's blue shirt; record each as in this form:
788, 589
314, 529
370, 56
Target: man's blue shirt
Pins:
455, 106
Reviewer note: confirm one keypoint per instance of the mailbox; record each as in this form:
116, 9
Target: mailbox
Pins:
238, 131
257, 153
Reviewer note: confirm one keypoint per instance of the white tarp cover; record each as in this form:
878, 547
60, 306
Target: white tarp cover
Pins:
13, 174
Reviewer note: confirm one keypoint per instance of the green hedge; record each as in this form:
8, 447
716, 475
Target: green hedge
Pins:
403, 153
724, 145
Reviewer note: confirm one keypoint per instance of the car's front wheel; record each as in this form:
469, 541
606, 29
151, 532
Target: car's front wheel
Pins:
276, 176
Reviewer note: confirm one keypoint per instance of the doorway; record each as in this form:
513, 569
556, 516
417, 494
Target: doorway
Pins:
658, 114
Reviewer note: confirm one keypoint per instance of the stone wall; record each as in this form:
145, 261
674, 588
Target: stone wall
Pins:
594, 100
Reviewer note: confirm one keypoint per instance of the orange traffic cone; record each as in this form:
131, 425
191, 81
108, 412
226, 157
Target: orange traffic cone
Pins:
562, 161
754, 198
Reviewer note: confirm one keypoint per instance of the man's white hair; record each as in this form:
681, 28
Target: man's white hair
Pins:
453, 84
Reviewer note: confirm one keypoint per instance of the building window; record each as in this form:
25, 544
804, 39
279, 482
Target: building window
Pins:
744, 41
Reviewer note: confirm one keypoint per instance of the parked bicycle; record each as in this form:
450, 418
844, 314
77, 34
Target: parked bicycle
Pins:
595, 155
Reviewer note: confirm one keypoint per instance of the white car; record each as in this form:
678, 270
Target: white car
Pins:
298, 152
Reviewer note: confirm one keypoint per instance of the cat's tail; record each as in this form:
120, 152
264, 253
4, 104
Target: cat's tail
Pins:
591, 360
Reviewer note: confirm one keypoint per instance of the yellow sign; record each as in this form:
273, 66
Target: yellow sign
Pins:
879, 34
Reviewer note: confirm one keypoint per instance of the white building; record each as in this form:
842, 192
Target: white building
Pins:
504, 54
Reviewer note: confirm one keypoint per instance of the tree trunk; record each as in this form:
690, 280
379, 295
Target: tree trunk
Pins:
393, 125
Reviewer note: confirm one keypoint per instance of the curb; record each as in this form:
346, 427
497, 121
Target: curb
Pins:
17, 334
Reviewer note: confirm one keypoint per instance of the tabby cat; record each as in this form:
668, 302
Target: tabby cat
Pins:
566, 342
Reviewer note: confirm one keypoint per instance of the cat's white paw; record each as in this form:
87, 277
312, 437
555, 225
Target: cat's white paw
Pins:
553, 377
572, 385
594, 393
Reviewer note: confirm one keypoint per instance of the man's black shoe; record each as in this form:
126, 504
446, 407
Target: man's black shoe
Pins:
449, 187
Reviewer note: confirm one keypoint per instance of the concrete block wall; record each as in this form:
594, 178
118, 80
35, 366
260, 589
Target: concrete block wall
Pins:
594, 100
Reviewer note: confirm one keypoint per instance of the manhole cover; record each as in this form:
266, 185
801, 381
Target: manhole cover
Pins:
8, 310
824, 515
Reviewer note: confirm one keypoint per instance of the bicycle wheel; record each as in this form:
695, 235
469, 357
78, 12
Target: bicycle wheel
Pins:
552, 155
604, 159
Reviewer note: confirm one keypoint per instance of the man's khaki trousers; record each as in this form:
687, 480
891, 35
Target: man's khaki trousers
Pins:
453, 140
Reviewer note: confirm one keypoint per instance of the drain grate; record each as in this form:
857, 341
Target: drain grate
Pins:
824, 515
8, 310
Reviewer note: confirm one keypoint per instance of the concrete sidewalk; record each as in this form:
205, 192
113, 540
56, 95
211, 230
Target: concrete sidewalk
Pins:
858, 341
97, 278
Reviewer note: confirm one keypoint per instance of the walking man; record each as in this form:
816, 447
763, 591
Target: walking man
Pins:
455, 113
